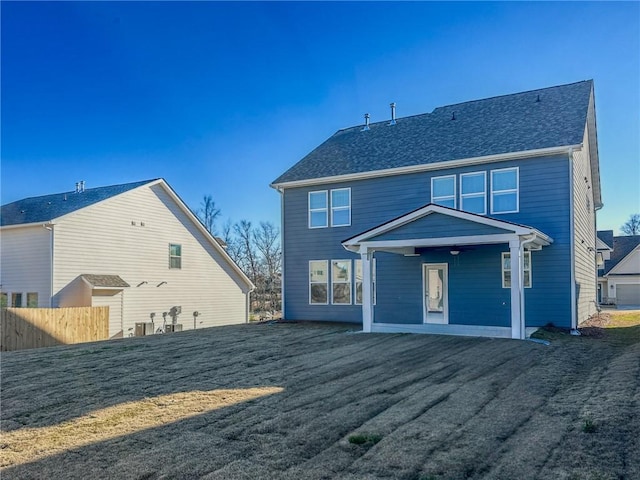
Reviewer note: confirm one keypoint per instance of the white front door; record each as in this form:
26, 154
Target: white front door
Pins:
436, 295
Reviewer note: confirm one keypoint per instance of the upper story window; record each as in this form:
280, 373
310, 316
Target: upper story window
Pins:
443, 191
341, 207
504, 190
473, 192
336, 201
175, 255
318, 209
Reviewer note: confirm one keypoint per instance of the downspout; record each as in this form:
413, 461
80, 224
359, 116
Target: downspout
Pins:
528, 240
282, 258
49, 226
572, 233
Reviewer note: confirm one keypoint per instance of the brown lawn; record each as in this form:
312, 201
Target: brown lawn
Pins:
292, 401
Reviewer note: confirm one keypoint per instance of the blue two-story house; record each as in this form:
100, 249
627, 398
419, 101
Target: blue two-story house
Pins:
475, 219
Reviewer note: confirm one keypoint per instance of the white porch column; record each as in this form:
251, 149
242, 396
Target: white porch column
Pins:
367, 297
517, 297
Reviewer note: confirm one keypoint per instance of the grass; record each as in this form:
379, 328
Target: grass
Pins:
289, 401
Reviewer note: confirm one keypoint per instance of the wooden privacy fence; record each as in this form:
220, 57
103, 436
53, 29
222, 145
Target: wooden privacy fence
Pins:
44, 327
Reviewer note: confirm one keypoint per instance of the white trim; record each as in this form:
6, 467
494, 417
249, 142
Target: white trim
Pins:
441, 198
439, 241
517, 292
501, 157
572, 246
367, 300
328, 274
348, 282
445, 292
355, 281
332, 208
600, 245
443, 329
282, 258
474, 195
508, 191
428, 209
325, 209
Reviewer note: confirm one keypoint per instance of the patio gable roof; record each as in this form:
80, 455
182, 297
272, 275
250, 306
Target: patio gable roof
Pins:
435, 225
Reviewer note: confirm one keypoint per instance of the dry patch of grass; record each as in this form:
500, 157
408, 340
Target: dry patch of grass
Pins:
29, 444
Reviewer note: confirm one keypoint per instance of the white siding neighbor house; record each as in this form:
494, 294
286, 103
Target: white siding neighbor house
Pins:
619, 270
136, 248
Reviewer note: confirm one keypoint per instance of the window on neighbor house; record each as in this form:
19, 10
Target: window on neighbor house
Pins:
504, 190
506, 270
318, 209
318, 282
443, 191
175, 255
341, 282
16, 299
473, 192
359, 279
4, 300
32, 299
341, 207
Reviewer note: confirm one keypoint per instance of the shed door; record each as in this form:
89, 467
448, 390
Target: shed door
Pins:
628, 294
436, 293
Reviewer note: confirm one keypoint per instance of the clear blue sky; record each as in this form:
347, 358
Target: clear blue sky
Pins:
221, 98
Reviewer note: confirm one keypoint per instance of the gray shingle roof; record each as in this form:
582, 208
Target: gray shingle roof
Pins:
48, 207
606, 236
549, 117
622, 246
105, 281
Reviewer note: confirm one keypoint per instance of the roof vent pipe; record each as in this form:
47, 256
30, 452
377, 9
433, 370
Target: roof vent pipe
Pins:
366, 122
81, 186
77, 187
393, 113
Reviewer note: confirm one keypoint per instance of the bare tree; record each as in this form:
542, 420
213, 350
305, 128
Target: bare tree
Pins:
632, 226
267, 242
208, 213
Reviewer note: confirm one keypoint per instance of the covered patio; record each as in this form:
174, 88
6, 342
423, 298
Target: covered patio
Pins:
435, 227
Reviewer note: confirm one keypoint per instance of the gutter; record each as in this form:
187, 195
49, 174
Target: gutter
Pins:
501, 157
572, 244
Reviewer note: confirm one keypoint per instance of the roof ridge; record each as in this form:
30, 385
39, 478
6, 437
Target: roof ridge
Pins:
513, 94
141, 182
465, 102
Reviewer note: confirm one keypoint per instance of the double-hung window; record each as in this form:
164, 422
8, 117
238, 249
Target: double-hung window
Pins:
318, 282
443, 191
175, 256
32, 299
504, 190
341, 282
318, 209
16, 299
506, 270
359, 279
341, 207
473, 192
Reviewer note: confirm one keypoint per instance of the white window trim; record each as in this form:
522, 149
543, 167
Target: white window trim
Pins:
333, 209
325, 209
508, 254
328, 273
511, 190
435, 199
373, 281
348, 282
474, 195
175, 256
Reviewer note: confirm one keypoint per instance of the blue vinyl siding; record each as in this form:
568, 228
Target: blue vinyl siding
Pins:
437, 225
476, 295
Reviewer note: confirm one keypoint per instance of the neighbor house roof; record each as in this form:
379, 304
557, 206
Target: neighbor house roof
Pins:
622, 246
606, 236
521, 122
104, 281
47, 207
